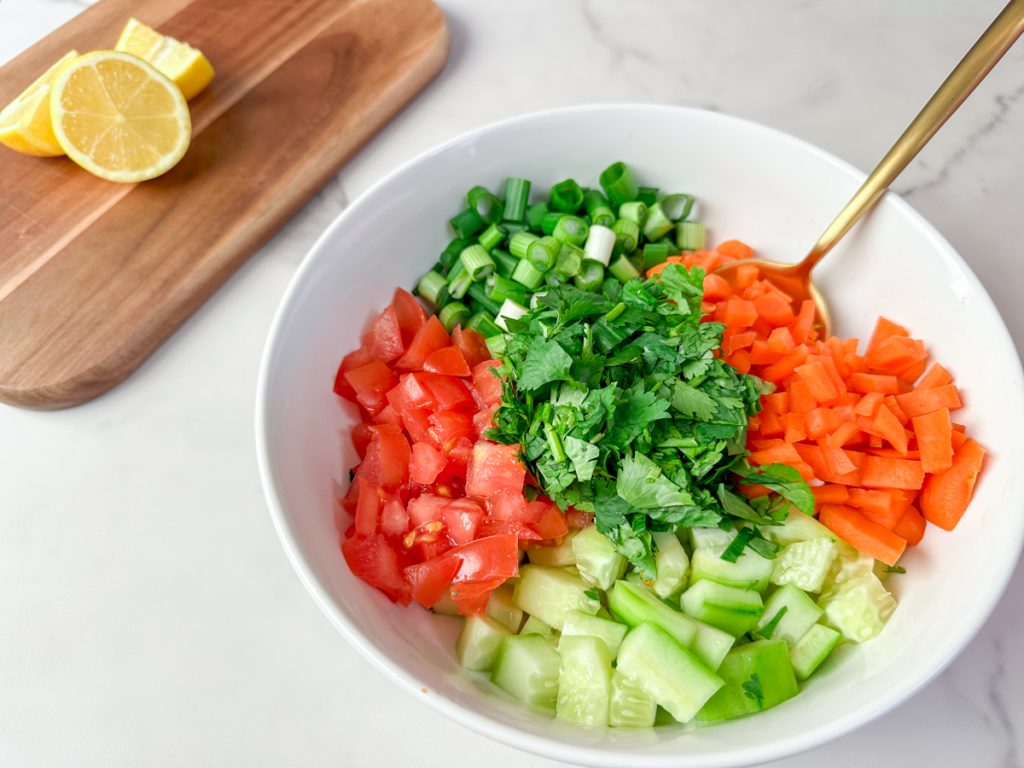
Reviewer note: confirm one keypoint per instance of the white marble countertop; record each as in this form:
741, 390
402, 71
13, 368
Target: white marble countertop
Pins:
147, 613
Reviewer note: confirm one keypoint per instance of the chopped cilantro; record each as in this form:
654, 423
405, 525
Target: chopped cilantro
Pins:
592, 593
622, 408
752, 690
894, 569
769, 629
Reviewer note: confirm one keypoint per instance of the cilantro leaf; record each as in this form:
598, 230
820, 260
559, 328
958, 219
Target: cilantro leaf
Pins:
784, 480
752, 690
642, 485
545, 362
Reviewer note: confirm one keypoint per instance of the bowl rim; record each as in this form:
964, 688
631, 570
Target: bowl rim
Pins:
547, 746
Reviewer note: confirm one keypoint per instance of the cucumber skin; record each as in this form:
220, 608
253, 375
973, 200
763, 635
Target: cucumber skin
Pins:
708, 601
750, 571
769, 659
802, 614
812, 650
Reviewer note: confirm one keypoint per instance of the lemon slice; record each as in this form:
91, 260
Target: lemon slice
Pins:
186, 66
25, 122
119, 118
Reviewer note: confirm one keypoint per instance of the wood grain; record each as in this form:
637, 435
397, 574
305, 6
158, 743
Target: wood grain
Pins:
95, 275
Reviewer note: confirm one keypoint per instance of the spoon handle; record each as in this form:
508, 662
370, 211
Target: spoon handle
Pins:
991, 46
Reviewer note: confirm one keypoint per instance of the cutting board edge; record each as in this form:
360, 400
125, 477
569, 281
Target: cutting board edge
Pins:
88, 384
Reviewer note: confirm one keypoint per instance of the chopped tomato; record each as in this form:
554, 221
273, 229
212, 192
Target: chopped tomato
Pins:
493, 557
409, 313
448, 392
426, 508
552, 524
394, 520
426, 463
429, 338
350, 362
446, 427
472, 345
431, 578
370, 383
494, 468
384, 339
386, 464
471, 598
448, 361
374, 561
367, 508
361, 435
461, 518
487, 381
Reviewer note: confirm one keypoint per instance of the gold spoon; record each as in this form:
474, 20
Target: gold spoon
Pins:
795, 279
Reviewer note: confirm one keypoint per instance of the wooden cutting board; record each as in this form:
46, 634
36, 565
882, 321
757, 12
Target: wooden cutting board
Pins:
95, 275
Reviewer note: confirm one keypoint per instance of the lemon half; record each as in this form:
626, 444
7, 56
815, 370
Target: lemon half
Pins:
190, 70
118, 117
25, 122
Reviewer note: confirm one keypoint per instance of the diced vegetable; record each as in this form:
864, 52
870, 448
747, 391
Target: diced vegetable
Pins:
551, 593
527, 667
757, 676
479, 642
584, 681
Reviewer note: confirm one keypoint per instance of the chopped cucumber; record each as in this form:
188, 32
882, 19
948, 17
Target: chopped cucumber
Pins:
798, 527
847, 565
502, 608
750, 571
757, 676
597, 559
635, 604
858, 607
527, 667
550, 593
479, 641
804, 564
534, 626
671, 562
791, 612
553, 557
630, 706
579, 623
446, 606
584, 681
670, 674
711, 538
812, 649
731, 609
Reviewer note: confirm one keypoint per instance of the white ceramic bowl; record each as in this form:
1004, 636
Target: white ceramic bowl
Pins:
766, 188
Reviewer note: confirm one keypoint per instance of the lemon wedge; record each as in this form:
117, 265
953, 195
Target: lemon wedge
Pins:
118, 117
25, 122
186, 66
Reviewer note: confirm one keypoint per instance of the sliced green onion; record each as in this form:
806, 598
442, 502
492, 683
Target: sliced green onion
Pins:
591, 275
492, 236
453, 314
534, 214
488, 206
689, 235
517, 197
451, 252
571, 229
555, 279
528, 275
658, 222
458, 286
622, 269
497, 344
478, 294
510, 310
430, 285
512, 227
569, 260
520, 243
600, 243
501, 289
636, 258
598, 208
504, 262
549, 221
482, 323
634, 211
618, 184
647, 195
536, 297
444, 297
543, 252
627, 235
566, 196
466, 223
477, 261
655, 254
677, 207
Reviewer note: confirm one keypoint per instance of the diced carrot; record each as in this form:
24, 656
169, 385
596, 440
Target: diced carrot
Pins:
894, 405
796, 429
934, 433
874, 382
910, 527
959, 427
803, 325
879, 505
836, 460
958, 439
830, 494
832, 370
912, 371
716, 287
883, 330
895, 354
783, 453
780, 340
869, 404
737, 249
785, 366
658, 268
945, 496
888, 427
762, 354
800, 398
880, 472
771, 424
821, 422
863, 534
922, 401
735, 340
777, 401
740, 313
774, 308
936, 377
746, 276
740, 360
892, 453
811, 454
847, 432
814, 375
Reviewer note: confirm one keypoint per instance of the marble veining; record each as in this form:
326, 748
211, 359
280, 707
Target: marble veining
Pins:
148, 613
